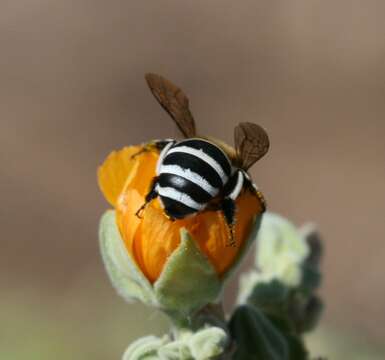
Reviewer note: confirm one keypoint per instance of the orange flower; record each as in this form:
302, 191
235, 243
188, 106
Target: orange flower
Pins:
125, 181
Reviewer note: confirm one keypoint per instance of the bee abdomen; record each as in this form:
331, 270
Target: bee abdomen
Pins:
184, 186
211, 150
175, 208
202, 158
190, 174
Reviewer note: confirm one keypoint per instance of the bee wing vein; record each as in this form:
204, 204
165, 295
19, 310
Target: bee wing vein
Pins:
251, 143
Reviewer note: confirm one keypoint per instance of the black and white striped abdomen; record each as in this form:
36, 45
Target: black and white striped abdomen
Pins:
190, 173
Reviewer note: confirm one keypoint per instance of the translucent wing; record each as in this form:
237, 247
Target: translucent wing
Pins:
251, 143
174, 101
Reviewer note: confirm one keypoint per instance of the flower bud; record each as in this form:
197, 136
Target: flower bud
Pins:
144, 348
205, 344
178, 266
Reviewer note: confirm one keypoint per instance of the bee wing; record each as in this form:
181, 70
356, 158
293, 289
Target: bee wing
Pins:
251, 143
174, 101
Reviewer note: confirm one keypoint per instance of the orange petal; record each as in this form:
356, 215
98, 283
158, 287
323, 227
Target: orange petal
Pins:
140, 179
212, 233
120, 171
113, 173
127, 205
157, 237
155, 240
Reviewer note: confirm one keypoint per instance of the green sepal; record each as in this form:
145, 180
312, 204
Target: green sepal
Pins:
123, 272
188, 280
256, 336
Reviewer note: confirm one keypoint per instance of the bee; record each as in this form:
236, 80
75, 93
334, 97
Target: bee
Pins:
199, 173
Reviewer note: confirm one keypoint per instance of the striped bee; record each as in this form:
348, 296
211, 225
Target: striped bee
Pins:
199, 173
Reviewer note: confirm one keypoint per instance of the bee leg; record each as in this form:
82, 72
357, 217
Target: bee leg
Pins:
151, 195
228, 209
155, 145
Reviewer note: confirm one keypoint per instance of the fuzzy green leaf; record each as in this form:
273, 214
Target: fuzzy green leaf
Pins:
269, 295
294, 341
256, 336
311, 278
281, 250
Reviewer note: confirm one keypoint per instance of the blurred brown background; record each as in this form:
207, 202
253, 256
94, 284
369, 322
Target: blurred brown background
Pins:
72, 89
